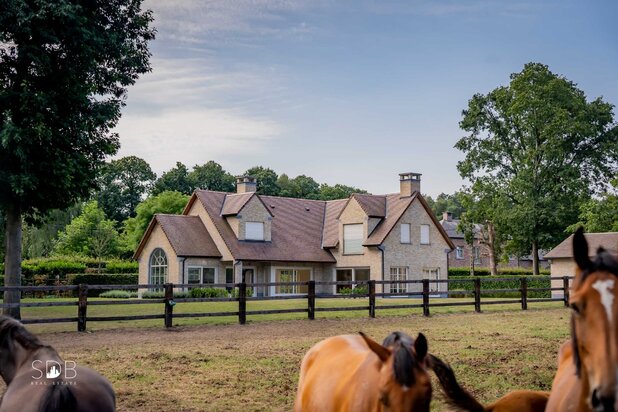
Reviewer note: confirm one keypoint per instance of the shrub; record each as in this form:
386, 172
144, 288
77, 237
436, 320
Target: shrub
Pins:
208, 293
121, 266
118, 294
234, 293
101, 279
159, 294
359, 290
510, 282
465, 271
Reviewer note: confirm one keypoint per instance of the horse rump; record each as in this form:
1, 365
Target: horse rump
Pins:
59, 398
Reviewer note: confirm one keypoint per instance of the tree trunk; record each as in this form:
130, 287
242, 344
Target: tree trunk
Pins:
472, 259
491, 242
12, 260
535, 257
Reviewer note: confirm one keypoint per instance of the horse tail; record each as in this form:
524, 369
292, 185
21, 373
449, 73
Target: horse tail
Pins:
59, 398
456, 396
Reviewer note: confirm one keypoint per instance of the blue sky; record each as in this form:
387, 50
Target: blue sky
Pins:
350, 92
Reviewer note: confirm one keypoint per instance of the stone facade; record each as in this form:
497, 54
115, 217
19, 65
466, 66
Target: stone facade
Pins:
254, 211
561, 267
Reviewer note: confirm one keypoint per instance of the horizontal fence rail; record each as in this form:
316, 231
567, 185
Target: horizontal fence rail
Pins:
366, 290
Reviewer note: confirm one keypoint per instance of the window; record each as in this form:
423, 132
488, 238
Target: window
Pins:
158, 268
424, 234
399, 273
432, 274
405, 233
476, 252
459, 253
254, 230
353, 239
197, 275
229, 277
351, 274
292, 275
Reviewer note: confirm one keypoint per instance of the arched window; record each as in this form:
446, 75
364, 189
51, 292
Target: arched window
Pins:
158, 267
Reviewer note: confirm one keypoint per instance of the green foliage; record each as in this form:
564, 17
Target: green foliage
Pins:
174, 180
164, 202
509, 282
445, 203
39, 240
121, 266
337, 191
301, 187
358, 290
544, 146
118, 294
208, 293
51, 268
455, 272
103, 279
266, 180
122, 183
156, 294
211, 176
599, 215
234, 292
89, 234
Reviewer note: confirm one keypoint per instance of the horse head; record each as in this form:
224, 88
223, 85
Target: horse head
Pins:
405, 384
594, 324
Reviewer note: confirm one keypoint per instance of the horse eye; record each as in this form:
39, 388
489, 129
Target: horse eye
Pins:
576, 308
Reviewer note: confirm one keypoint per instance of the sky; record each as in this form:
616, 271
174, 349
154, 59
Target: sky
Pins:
347, 91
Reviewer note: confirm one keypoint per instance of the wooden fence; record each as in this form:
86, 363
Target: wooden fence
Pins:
424, 298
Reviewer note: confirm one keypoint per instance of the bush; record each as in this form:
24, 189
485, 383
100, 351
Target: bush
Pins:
208, 293
465, 271
234, 293
101, 279
118, 294
121, 266
511, 282
359, 290
159, 294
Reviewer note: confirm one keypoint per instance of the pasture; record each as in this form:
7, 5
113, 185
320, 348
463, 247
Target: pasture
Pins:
196, 367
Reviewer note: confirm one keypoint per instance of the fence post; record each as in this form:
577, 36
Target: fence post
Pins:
372, 298
524, 293
82, 306
565, 287
425, 297
477, 295
311, 300
169, 304
242, 303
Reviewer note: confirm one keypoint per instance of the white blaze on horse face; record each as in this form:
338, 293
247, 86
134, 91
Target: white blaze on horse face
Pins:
605, 289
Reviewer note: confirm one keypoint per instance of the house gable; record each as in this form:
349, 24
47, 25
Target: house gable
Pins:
196, 208
253, 211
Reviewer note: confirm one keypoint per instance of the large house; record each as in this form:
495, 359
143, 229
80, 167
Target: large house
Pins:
561, 257
233, 237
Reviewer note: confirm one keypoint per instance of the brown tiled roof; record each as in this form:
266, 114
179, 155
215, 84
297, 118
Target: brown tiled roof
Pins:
234, 202
373, 206
296, 229
186, 234
595, 240
330, 234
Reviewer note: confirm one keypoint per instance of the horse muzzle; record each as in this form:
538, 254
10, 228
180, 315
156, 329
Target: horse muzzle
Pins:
602, 402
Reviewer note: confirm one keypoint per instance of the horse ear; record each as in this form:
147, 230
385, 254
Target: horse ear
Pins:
420, 346
580, 250
382, 352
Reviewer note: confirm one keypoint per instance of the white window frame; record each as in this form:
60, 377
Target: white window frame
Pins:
201, 268
353, 269
406, 233
459, 252
399, 273
254, 230
346, 242
427, 274
425, 239
273, 278
160, 263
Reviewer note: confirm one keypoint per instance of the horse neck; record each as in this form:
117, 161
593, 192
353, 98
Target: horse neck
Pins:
21, 357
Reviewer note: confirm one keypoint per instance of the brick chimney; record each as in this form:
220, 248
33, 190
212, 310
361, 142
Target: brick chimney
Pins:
245, 184
447, 216
409, 183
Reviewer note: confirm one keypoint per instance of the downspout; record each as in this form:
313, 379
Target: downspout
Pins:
381, 249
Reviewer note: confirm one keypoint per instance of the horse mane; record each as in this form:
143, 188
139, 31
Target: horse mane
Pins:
13, 330
404, 361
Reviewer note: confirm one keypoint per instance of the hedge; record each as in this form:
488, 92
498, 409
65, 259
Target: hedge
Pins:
101, 279
465, 271
121, 266
506, 282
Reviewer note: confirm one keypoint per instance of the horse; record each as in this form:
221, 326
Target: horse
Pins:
461, 400
587, 375
39, 380
355, 373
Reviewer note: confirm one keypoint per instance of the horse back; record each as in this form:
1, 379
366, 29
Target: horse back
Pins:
520, 401
338, 374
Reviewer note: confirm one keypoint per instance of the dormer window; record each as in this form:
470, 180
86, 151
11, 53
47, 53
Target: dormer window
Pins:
254, 231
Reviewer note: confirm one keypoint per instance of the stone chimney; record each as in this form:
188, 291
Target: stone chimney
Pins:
447, 216
409, 183
245, 184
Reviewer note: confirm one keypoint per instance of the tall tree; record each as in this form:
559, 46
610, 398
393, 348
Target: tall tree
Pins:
164, 202
174, 180
266, 180
446, 203
337, 191
211, 176
65, 66
301, 187
39, 240
122, 184
548, 148
599, 214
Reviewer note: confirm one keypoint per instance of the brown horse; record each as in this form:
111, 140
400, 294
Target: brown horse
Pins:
355, 373
39, 380
461, 400
587, 379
